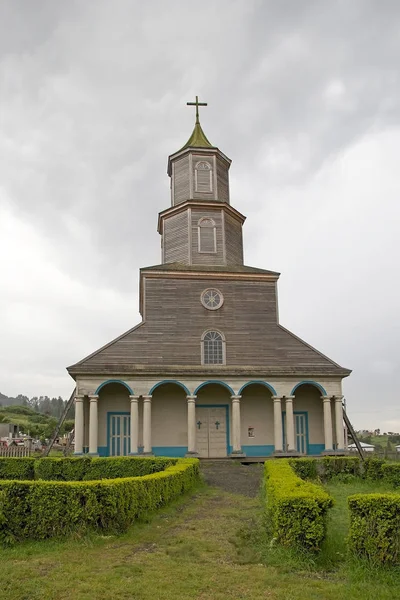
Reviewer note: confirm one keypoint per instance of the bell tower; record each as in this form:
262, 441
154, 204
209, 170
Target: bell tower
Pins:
200, 228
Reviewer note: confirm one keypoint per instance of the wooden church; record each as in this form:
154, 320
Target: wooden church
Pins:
209, 371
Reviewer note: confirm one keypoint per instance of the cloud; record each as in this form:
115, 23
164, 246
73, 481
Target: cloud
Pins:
303, 97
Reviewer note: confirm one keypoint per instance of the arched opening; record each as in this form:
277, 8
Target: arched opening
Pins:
257, 419
213, 419
169, 421
308, 418
203, 177
207, 236
114, 419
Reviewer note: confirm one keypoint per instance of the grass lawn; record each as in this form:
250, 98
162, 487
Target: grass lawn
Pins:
209, 545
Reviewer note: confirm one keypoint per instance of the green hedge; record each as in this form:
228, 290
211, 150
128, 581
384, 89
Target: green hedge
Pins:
305, 468
43, 509
17, 468
333, 466
391, 474
373, 468
89, 468
296, 509
375, 527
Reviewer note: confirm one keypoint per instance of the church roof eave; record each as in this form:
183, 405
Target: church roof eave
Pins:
199, 203
198, 149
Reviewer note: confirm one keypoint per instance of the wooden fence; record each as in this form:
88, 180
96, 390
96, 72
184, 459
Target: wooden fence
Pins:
15, 451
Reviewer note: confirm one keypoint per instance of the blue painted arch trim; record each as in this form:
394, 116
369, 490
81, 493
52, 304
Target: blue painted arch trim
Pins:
130, 390
309, 382
215, 381
165, 381
264, 383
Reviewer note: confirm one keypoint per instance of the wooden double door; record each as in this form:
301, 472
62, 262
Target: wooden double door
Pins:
211, 431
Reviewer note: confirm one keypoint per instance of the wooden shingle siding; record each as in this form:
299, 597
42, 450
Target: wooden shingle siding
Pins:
181, 182
176, 320
233, 241
222, 180
176, 242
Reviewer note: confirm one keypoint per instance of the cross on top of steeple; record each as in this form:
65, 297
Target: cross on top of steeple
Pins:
197, 104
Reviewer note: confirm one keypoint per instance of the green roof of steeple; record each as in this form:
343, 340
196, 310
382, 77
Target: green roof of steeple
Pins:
198, 138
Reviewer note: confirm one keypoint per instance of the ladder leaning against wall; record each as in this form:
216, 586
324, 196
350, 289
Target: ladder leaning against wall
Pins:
61, 420
353, 433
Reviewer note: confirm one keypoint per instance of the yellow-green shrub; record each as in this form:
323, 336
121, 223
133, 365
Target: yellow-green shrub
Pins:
296, 509
375, 527
42, 509
391, 474
16, 468
89, 468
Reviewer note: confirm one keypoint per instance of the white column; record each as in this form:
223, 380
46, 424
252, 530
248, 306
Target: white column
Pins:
147, 448
134, 424
93, 425
291, 447
236, 445
191, 416
278, 433
339, 423
327, 422
78, 433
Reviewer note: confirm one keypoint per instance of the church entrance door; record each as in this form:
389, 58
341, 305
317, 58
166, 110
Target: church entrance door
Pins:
119, 437
211, 427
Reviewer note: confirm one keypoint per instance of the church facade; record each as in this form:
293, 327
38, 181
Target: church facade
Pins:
209, 371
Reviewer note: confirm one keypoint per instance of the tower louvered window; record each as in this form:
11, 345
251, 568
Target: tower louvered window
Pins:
207, 233
213, 351
203, 177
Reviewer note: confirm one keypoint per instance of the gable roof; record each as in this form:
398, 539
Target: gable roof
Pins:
176, 266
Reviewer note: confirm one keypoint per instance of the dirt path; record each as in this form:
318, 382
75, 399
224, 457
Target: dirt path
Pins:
233, 477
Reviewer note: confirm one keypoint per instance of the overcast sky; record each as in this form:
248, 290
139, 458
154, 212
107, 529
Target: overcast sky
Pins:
303, 97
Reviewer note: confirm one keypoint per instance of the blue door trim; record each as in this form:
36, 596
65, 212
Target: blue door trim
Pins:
113, 414
297, 412
226, 406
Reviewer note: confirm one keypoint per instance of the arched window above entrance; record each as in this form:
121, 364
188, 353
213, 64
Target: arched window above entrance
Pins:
207, 233
213, 348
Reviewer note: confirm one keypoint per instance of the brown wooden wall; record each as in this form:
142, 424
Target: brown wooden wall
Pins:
175, 321
233, 241
176, 239
222, 180
180, 180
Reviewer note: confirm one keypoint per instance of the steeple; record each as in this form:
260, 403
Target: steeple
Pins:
199, 171
200, 227
198, 138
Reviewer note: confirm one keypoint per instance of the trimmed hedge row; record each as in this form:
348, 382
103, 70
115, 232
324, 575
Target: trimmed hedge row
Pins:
332, 466
391, 474
17, 468
88, 468
43, 509
375, 527
296, 509
82, 468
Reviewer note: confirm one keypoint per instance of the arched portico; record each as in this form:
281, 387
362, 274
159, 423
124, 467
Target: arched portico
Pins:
169, 420
309, 382
167, 382
257, 418
311, 436
118, 381
215, 420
